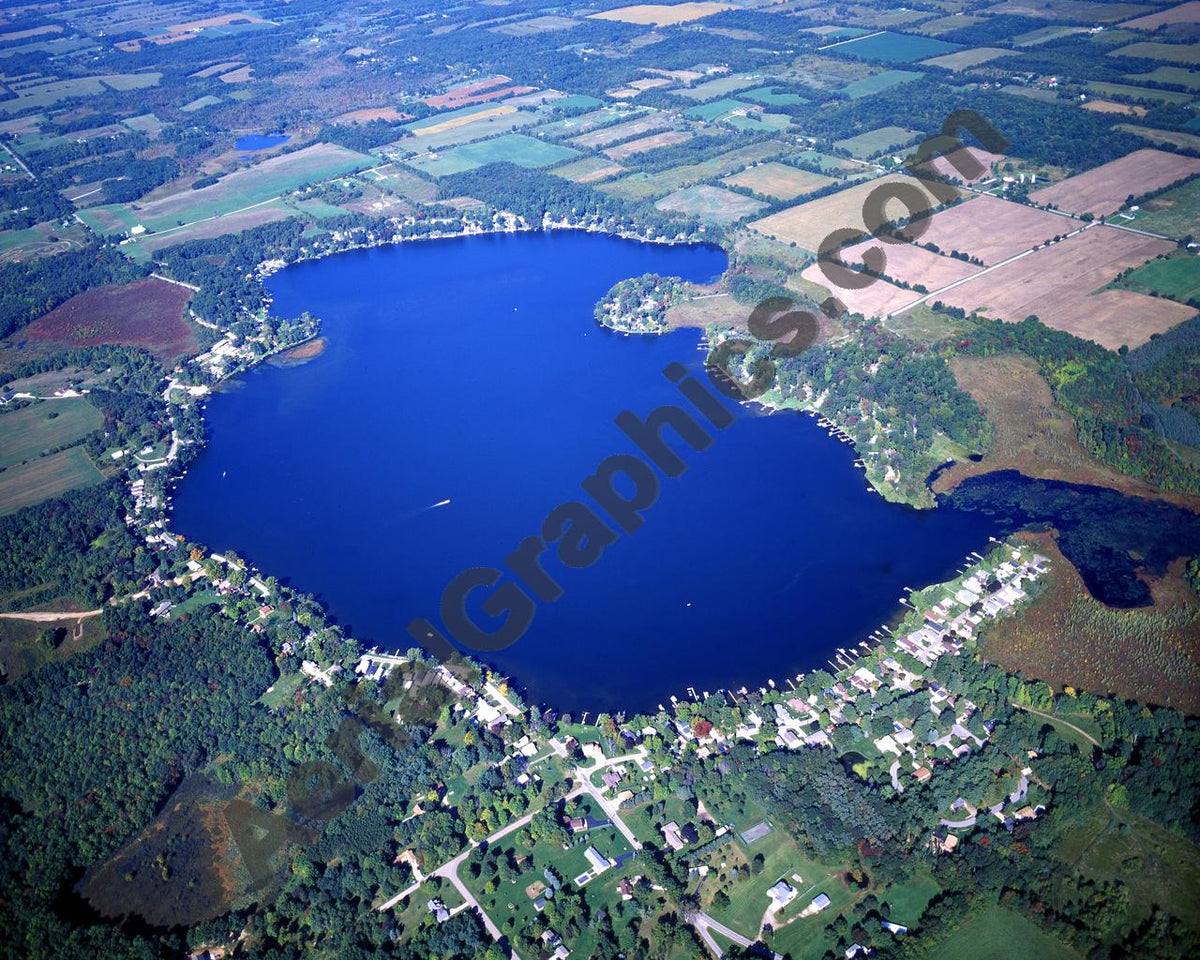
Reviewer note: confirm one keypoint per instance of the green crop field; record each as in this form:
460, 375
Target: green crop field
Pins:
875, 142
1170, 52
760, 122
46, 477
235, 191
881, 81
1177, 277
25, 434
894, 47
715, 110
721, 86
510, 148
999, 934
962, 59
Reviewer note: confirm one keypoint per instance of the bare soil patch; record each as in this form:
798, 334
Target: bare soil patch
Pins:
1103, 190
992, 229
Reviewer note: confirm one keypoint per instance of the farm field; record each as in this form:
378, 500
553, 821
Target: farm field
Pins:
148, 244
1104, 189
894, 47
1109, 106
758, 122
589, 170
573, 126
147, 313
710, 204
1185, 141
662, 15
35, 241
648, 185
26, 433
992, 229
721, 86
1174, 213
877, 299
46, 477
1169, 52
509, 148
48, 94
914, 265
780, 181
234, 191
464, 94
547, 24
715, 109
1183, 13
874, 142
596, 139
1058, 284
877, 82
773, 97
948, 24
807, 224
666, 138
963, 59
1137, 93
1178, 76
1177, 277
1076, 10
441, 122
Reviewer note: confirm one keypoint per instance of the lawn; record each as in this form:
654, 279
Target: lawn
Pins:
710, 204
774, 97
45, 477
25, 434
1130, 92
714, 110
894, 47
998, 934
1177, 277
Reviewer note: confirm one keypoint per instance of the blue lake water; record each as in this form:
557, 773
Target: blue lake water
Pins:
261, 141
472, 371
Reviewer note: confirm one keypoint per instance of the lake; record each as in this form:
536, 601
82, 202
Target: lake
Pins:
471, 371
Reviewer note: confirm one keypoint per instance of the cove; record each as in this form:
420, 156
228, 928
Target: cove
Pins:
471, 370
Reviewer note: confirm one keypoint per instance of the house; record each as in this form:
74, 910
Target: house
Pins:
599, 862
575, 824
922, 774
438, 909
896, 929
671, 834
819, 902
857, 950
781, 894
611, 778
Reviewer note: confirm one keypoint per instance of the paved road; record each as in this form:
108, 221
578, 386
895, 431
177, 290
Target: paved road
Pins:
704, 924
610, 808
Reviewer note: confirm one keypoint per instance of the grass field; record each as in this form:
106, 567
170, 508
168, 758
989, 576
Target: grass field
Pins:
21, 652
710, 204
807, 224
441, 122
642, 186
509, 148
773, 97
1174, 213
780, 181
1076, 10
45, 477
1104, 189
1183, 13
874, 142
964, 59
721, 86
894, 47
1188, 53
25, 434
626, 130
715, 109
234, 191
664, 138
1185, 141
1177, 76
1131, 92
880, 81
1177, 277
999, 934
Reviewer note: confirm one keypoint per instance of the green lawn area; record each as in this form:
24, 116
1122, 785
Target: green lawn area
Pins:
999, 934
908, 900
46, 477
924, 324
196, 601
25, 433
894, 47
281, 690
511, 907
1177, 276
714, 110
1131, 92
773, 97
